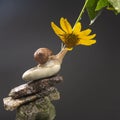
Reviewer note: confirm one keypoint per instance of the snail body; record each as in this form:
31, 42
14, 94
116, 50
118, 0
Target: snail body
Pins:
48, 66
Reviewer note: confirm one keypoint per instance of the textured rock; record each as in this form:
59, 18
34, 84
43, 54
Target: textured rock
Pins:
34, 87
33, 99
41, 109
12, 104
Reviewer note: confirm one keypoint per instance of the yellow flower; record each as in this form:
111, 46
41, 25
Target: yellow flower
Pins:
73, 36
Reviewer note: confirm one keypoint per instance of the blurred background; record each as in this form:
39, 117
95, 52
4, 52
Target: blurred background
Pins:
91, 87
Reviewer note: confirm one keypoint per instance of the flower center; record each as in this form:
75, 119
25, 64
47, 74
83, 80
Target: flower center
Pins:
71, 40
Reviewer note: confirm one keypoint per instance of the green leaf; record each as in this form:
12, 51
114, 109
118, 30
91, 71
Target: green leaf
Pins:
115, 4
101, 4
94, 7
111, 8
91, 6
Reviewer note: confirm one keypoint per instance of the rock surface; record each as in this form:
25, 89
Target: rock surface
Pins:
12, 104
41, 109
34, 87
33, 99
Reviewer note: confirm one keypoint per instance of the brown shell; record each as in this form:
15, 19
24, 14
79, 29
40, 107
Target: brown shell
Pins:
41, 55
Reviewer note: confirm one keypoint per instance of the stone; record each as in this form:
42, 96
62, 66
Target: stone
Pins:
43, 71
12, 104
41, 109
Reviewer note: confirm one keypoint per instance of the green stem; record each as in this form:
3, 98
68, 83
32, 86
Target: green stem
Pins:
81, 13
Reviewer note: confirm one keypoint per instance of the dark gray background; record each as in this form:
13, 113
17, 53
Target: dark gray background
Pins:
91, 87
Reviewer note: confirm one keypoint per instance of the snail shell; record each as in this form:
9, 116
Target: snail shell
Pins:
41, 55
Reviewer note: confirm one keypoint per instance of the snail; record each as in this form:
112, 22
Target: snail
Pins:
48, 64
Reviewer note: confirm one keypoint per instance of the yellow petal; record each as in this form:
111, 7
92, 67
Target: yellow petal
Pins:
90, 37
56, 29
86, 32
65, 25
62, 38
86, 42
71, 48
87, 37
77, 28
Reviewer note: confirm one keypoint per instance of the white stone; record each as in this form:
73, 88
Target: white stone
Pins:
43, 71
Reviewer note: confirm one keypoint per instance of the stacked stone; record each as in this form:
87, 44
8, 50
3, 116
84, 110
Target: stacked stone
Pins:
33, 99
